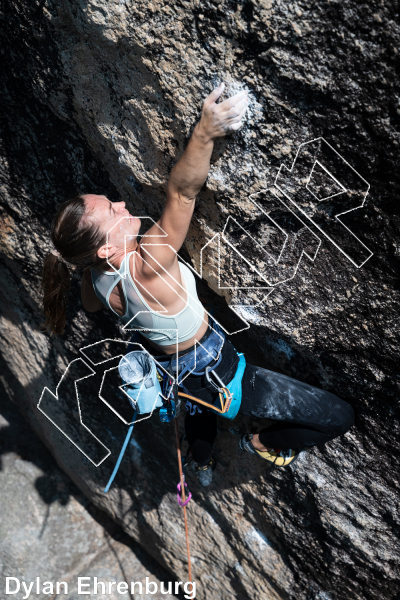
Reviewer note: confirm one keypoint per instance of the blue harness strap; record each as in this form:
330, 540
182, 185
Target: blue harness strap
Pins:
235, 388
121, 454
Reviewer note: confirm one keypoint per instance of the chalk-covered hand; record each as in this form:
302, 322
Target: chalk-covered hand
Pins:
218, 120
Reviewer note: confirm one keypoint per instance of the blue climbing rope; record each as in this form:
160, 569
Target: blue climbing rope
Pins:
121, 454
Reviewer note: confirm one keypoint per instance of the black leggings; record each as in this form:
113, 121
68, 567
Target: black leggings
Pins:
304, 416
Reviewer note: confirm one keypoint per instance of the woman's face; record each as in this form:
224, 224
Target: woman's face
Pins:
114, 219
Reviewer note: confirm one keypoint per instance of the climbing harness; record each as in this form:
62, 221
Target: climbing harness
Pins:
191, 362
198, 362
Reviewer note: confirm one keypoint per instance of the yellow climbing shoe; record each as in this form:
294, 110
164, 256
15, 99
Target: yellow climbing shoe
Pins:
277, 456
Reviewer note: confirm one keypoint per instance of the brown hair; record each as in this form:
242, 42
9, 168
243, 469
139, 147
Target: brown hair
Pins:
77, 238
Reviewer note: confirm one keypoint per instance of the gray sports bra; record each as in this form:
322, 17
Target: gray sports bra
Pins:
159, 328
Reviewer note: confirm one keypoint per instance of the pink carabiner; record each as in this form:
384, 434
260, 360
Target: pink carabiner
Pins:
179, 498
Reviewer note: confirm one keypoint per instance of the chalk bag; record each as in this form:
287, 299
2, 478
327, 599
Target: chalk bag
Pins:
138, 372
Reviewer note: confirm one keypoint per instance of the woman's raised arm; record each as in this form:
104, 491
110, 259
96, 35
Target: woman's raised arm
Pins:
189, 174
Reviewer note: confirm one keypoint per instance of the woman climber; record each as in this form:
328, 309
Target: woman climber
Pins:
158, 296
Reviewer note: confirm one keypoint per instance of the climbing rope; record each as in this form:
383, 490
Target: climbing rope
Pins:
183, 502
121, 454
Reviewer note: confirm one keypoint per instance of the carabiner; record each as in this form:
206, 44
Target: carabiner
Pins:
209, 370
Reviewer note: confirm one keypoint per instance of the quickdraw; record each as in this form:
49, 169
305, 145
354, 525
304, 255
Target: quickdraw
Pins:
180, 502
225, 396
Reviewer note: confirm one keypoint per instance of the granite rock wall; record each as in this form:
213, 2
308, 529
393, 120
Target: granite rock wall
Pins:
102, 97
64, 536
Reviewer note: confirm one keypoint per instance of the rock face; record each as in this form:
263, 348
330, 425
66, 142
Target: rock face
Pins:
102, 97
64, 536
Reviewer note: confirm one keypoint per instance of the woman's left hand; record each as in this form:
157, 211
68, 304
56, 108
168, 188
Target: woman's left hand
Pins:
218, 120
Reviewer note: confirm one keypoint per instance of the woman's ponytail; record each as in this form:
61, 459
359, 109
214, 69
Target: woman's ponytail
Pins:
56, 281
76, 239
